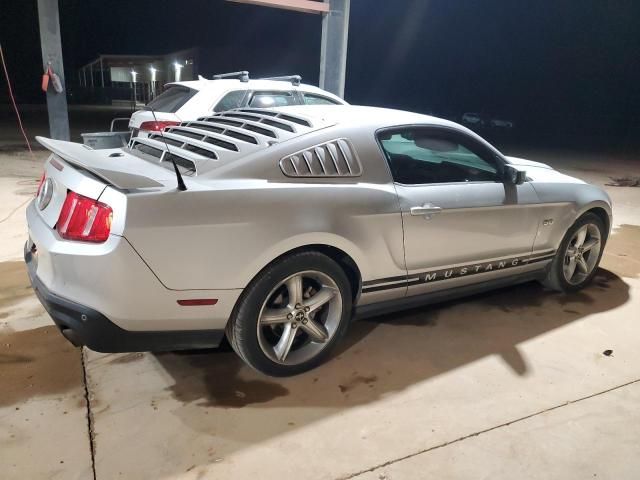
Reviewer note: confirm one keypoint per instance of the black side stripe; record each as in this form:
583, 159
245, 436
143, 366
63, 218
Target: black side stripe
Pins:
454, 272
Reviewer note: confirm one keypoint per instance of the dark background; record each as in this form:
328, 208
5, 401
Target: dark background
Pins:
562, 70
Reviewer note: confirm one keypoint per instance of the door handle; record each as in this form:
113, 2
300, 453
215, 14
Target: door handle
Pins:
426, 210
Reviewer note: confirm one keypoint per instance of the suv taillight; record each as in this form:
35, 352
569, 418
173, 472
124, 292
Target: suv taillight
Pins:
84, 219
157, 126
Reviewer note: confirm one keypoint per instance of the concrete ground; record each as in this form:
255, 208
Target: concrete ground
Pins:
519, 383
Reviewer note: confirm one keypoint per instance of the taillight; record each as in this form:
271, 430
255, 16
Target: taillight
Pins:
157, 126
40, 184
84, 219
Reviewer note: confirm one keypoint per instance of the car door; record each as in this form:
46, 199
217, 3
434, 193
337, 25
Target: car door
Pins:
462, 224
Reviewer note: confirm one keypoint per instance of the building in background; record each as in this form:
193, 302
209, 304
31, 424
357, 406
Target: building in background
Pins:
132, 79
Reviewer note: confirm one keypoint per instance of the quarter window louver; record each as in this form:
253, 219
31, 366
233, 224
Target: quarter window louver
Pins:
336, 158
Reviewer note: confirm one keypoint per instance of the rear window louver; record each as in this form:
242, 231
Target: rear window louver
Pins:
283, 116
183, 144
170, 141
154, 152
260, 119
162, 154
336, 158
226, 136
201, 151
261, 131
188, 165
222, 143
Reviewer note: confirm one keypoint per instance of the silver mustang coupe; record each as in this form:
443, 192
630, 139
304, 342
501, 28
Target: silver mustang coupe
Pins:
277, 227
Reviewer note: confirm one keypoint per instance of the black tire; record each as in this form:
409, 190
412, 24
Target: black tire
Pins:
555, 279
242, 328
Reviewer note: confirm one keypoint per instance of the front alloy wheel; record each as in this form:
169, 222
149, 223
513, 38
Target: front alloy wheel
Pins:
578, 255
582, 254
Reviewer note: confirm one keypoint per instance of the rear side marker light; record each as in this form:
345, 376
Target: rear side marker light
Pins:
197, 302
157, 126
42, 179
84, 219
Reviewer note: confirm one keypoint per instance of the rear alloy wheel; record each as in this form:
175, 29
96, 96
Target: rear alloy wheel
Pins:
579, 254
292, 315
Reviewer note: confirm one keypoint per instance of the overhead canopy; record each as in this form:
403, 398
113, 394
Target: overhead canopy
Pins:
306, 6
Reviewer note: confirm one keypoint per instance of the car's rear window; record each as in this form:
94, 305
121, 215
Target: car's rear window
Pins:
172, 99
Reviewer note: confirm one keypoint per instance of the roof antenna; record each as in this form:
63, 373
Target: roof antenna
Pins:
181, 186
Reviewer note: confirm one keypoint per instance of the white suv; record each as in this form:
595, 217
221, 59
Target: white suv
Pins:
186, 101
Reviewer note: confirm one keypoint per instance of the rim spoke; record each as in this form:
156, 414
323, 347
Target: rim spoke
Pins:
294, 287
570, 268
316, 331
324, 295
582, 265
589, 244
581, 235
284, 344
274, 316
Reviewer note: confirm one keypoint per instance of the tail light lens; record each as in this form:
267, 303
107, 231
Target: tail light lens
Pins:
157, 126
84, 219
42, 178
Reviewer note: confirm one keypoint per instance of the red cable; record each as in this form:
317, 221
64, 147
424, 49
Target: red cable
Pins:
13, 100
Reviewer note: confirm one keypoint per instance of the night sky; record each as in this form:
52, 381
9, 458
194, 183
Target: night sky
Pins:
557, 62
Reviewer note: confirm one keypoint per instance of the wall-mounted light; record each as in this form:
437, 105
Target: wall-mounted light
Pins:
178, 69
134, 74
153, 71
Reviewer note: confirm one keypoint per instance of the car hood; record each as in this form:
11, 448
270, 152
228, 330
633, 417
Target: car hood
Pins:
541, 172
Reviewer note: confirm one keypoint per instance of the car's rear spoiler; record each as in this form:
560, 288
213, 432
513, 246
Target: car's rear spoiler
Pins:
123, 171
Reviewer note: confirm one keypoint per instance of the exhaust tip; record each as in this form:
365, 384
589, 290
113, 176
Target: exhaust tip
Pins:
72, 336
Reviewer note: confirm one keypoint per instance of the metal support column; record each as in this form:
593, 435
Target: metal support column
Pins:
101, 72
49, 21
333, 53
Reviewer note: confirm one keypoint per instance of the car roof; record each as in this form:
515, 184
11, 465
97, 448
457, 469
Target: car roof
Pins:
235, 84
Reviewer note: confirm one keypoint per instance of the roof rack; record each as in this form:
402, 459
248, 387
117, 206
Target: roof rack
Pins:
243, 76
294, 79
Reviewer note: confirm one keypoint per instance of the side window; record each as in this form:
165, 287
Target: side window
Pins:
272, 99
230, 101
421, 156
311, 99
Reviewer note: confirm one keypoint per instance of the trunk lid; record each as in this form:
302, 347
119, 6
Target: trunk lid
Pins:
76, 167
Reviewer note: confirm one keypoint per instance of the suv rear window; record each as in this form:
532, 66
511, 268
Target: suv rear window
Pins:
172, 99
311, 99
230, 101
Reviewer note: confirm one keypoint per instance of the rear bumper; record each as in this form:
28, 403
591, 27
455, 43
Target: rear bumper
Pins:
112, 279
85, 326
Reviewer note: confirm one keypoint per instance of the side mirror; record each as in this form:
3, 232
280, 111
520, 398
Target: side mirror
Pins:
514, 176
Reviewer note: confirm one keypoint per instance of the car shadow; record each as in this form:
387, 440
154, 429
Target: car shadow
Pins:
383, 355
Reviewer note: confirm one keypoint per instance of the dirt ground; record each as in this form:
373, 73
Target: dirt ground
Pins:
517, 383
